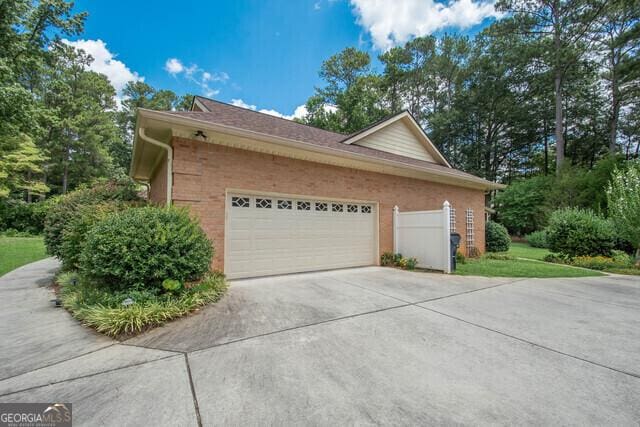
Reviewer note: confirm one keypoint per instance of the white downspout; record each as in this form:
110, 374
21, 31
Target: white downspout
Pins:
167, 147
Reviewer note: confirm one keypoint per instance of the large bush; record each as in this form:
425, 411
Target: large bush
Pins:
580, 232
496, 237
139, 248
22, 216
537, 239
522, 206
75, 231
65, 209
623, 194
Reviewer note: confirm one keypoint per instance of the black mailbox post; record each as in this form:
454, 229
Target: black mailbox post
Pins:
455, 243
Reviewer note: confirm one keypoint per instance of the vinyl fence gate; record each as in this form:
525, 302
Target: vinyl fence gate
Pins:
424, 235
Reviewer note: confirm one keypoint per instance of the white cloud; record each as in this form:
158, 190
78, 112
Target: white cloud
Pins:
394, 22
104, 62
316, 6
242, 104
299, 112
197, 75
173, 66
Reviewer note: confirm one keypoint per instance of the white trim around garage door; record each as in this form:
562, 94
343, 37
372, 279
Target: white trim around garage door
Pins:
240, 192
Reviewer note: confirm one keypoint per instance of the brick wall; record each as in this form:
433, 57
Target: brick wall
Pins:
203, 171
158, 190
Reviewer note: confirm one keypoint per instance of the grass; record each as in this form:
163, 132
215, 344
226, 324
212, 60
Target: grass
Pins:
523, 260
102, 309
523, 250
18, 251
513, 266
519, 268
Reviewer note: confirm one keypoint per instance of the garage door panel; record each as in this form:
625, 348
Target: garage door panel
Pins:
262, 238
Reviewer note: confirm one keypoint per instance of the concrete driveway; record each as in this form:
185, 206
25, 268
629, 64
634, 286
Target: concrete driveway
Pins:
358, 346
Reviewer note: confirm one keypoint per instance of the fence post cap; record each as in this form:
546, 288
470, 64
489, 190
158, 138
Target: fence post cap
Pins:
396, 208
446, 204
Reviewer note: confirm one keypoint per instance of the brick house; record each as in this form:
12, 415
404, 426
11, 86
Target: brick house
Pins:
276, 196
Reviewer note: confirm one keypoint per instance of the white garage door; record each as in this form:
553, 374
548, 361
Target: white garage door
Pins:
267, 235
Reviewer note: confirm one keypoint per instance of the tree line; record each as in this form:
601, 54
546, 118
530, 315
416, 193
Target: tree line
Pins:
553, 84
60, 123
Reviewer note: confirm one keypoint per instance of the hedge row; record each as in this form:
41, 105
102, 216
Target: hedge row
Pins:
110, 236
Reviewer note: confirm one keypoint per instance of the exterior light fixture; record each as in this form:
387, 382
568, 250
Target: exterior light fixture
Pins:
200, 135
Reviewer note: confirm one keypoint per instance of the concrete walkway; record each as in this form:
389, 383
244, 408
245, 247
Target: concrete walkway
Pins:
48, 356
357, 346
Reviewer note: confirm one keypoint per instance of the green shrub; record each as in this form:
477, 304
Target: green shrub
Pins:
594, 262
22, 217
621, 258
171, 285
411, 263
64, 209
139, 248
522, 206
397, 258
387, 259
12, 232
74, 234
556, 258
102, 309
579, 232
460, 258
623, 194
537, 239
496, 237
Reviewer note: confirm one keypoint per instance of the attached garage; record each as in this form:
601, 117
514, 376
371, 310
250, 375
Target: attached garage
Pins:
276, 196
271, 234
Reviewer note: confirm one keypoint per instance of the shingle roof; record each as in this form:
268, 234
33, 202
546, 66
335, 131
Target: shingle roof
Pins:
243, 118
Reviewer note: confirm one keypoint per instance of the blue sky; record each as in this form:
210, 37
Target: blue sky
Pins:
261, 54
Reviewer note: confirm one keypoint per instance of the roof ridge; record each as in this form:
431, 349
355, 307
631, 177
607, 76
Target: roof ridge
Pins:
265, 114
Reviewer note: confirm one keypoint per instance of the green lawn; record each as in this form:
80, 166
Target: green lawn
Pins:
523, 250
18, 251
519, 268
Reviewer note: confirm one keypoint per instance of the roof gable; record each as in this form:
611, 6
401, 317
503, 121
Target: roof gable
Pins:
399, 135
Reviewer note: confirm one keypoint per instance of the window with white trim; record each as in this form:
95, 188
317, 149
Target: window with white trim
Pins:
263, 203
303, 206
321, 206
240, 202
285, 204
365, 209
336, 207
352, 208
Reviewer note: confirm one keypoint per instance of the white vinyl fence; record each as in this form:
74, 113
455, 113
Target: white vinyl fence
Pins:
424, 235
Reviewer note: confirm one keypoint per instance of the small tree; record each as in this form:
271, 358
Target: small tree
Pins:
623, 195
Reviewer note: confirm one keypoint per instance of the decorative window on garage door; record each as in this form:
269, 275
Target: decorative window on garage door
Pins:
285, 204
240, 202
303, 205
263, 203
